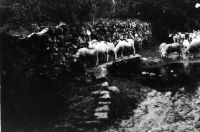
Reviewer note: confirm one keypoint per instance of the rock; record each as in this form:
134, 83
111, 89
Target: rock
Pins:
105, 96
100, 73
131, 56
131, 129
105, 85
168, 94
88, 79
96, 92
104, 108
152, 74
182, 89
153, 93
158, 93
198, 91
175, 75
92, 122
197, 103
144, 58
101, 115
114, 89
145, 73
197, 124
104, 103
78, 78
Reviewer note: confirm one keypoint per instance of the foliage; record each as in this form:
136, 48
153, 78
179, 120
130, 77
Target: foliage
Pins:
174, 14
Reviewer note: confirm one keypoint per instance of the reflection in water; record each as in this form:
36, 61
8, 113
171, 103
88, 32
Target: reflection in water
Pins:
173, 76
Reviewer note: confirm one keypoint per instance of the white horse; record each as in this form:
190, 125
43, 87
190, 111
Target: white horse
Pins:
166, 49
111, 48
121, 44
99, 47
83, 53
186, 43
193, 47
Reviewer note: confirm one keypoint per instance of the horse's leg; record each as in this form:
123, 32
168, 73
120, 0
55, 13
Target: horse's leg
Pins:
115, 52
97, 58
174, 39
133, 50
122, 52
179, 54
107, 56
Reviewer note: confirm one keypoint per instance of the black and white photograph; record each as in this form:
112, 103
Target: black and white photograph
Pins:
100, 65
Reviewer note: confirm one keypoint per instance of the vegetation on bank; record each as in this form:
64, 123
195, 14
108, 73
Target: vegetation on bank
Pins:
173, 14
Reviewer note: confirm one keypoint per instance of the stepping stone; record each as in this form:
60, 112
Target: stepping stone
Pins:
145, 73
104, 103
101, 115
104, 108
105, 84
114, 89
152, 74
100, 92
105, 96
175, 75
92, 122
100, 73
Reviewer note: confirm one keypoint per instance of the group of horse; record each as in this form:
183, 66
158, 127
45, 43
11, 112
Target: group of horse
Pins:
185, 44
95, 48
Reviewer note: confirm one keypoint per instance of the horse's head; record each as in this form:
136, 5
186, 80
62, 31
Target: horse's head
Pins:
170, 35
163, 54
91, 43
162, 46
116, 42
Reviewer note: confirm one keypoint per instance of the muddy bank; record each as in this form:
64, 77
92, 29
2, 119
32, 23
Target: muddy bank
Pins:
164, 112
